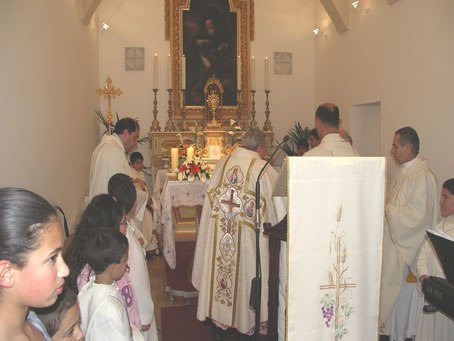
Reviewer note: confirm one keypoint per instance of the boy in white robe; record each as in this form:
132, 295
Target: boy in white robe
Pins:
145, 225
103, 310
436, 326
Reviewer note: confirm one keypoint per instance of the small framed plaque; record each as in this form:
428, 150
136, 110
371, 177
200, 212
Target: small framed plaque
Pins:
282, 63
134, 58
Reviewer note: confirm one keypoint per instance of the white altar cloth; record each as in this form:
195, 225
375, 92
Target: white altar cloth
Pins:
177, 194
334, 247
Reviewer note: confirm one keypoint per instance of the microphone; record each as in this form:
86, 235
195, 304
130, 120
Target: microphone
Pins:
256, 283
285, 139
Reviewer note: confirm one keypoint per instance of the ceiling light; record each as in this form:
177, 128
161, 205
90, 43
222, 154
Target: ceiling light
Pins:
105, 26
316, 31
355, 3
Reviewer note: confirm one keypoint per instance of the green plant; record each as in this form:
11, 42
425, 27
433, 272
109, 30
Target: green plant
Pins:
103, 120
297, 133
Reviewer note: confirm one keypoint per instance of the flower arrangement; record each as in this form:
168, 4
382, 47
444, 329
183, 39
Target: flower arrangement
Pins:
193, 169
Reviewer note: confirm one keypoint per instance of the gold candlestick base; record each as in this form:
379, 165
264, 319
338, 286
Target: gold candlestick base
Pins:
267, 126
155, 123
253, 124
170, 125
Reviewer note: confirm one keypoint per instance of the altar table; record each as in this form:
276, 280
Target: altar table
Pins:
176, 194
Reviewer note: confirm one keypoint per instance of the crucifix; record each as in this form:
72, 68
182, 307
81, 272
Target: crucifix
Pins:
109, 91
231, 204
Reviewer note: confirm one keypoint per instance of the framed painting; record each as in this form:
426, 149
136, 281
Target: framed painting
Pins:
211, 38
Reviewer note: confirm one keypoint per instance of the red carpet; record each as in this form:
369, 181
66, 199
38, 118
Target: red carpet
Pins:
180, 278
179, 323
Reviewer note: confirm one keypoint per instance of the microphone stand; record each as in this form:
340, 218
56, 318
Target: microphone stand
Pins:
256, 284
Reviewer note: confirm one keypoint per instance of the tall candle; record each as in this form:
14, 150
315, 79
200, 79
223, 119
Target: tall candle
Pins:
183, 72
253, 73
155, 71
238, 73
190, 153
174, 158
169, 73
267, 74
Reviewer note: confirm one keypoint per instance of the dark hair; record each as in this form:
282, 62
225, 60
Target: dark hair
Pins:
407, 135
103, 211
126, 123
106, 247
135, 156
302, 144
328, 114
23, 216
122, 188
314, 134
449, 185
52, 316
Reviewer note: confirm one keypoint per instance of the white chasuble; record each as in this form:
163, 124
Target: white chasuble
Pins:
224, 262
334, 247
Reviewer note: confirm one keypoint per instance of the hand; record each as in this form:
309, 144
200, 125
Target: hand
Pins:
422, 278
145, 327
142, 241
142, 184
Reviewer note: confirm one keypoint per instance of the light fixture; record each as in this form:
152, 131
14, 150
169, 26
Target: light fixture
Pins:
316, 31
355, 3
105, 26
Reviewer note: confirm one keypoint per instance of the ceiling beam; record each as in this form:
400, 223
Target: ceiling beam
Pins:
338, 12
87, 8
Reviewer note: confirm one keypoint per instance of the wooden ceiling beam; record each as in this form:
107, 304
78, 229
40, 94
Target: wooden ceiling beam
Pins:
338, 12
87, 8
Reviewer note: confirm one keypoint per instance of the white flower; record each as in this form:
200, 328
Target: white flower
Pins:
180, 176
191, 177
203, 177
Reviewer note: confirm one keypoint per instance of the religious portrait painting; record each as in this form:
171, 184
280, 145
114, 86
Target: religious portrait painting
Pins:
210, 47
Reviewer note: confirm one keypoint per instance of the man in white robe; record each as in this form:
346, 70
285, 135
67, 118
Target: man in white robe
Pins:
224, 261
109, 158
327, 120
437, 326
411, 208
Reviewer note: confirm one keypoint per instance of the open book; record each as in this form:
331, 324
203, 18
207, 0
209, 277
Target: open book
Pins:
444, 247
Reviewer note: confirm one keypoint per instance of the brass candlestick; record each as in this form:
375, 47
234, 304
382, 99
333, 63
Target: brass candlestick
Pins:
155, 123
184, 124
267, 126
253, 123
170, 125
238, 108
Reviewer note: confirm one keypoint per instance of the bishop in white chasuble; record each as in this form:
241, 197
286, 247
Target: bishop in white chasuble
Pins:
224, 262
334, 247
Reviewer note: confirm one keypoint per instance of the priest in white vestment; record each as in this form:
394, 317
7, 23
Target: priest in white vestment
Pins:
109, 158
327, 120
411, 208
224, 261
437, 326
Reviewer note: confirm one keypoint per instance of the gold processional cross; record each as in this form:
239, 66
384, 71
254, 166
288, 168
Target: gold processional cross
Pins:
109, 91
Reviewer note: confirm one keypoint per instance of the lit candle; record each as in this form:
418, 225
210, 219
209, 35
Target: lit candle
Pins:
183, 72
174, 158
238, 73
190, 153
169, 73
155, 71
253, 73
267, 74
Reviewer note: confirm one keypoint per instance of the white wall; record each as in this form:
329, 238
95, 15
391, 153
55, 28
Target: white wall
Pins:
400, 55
49, 74
278, 27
